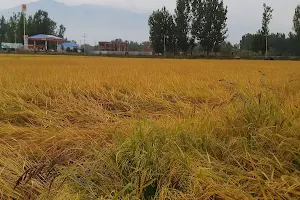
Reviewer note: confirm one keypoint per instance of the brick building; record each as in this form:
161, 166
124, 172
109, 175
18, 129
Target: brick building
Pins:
113, 46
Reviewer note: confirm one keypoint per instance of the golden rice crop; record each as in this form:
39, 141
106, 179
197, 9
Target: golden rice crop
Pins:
116, 128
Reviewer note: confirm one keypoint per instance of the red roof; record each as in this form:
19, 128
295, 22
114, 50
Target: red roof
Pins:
42, 37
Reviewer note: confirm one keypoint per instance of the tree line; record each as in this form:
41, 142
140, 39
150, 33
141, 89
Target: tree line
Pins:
194, 21
132, 45
201, 25
278, 44
12, 29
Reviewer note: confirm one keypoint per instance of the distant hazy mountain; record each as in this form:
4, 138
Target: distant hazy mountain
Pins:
98, 22
107, 23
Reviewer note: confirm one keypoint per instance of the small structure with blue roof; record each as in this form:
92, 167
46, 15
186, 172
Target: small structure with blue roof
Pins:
67, 45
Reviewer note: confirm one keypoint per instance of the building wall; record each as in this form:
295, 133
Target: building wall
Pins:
133, 53
113, 46
5, 45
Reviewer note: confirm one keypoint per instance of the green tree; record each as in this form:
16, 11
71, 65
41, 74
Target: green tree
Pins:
171, 45
162, 27
226, 49
30, 28
3, 29
293, 44
43, 24
192, 44
279, 43
247, 42
209, 23
267, 17
134, 46
182, 24
257, 43
296, 21
12, 28
259, 39
61, 31
265, 31
20, 28
117, 40
146, 43
294, 39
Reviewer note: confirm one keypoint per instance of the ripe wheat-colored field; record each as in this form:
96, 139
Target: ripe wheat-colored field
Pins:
112, 128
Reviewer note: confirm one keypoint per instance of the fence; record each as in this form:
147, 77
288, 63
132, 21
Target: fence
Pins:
131, 53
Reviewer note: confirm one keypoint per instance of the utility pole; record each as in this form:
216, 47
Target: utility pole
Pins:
15, 42
24, 29
266, 46
165, 48
24, 9
84, 36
